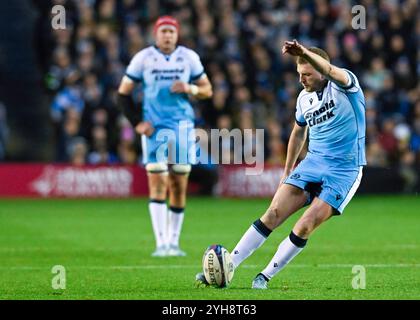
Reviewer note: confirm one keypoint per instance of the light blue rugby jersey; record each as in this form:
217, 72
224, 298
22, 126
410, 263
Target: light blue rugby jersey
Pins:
157, 72
336, 119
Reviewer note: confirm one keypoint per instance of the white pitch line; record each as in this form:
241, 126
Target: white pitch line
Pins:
197, 266
107, 249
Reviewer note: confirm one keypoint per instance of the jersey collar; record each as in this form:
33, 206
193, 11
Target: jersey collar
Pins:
167, 56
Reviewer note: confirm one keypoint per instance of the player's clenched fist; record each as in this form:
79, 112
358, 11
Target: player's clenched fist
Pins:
145, 128
180, 87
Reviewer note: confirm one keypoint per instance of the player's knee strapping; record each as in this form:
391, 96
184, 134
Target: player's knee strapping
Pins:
158, 167
181, 168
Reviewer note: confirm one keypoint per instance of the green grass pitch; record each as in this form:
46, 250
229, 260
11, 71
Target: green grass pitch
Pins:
105, 247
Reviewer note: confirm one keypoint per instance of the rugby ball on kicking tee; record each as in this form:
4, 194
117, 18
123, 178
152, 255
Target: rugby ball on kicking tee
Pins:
218, 266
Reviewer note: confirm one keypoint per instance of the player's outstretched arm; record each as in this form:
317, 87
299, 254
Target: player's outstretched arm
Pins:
201, 89
296, 142
331, 72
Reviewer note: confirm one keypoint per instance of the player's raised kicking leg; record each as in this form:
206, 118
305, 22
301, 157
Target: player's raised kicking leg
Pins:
317, 213
287, 200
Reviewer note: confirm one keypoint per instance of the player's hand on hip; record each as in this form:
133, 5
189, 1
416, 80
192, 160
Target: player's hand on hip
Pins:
145, 128
180, 87
293, 47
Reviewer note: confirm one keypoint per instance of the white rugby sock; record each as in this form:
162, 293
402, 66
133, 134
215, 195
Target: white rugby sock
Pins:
253, 238
287, 250
176, 218
158, 213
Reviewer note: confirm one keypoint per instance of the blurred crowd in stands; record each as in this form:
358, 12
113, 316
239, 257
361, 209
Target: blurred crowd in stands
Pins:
239, 42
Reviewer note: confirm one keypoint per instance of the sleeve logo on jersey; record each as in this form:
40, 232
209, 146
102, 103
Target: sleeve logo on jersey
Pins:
321, 115
167, 74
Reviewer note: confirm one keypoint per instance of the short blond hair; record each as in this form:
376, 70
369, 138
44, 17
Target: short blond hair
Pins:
315, 50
